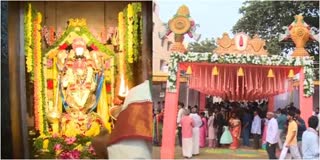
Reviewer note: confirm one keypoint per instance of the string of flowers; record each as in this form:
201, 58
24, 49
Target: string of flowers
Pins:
132, 29
44, 91
38, 76
129, 20
128, 65
28, 39
137, 30
121, 30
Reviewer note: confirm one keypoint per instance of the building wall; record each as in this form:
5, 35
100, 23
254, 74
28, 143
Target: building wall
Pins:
97, 14
161, 47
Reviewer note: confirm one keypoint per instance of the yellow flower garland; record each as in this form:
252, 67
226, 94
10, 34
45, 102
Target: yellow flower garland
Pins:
38, 79
120, 30
130, 32
41, 78
28, 32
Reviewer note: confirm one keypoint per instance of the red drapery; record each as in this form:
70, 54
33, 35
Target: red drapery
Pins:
253, 85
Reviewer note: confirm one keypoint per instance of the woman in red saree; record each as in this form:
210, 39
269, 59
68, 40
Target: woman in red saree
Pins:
235, 129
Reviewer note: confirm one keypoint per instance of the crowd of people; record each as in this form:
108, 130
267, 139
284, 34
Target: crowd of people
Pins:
232, 124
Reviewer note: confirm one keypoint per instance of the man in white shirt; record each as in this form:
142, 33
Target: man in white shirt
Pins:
310, 140
179, 117
272, 138
195, 131
256, 129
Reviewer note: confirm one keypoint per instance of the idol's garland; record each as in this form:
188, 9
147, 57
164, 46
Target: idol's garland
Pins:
271, 60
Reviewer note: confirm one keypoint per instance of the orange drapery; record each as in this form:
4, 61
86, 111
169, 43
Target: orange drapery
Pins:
253, 85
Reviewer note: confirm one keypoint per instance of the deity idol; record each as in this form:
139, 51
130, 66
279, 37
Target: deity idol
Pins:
78, 84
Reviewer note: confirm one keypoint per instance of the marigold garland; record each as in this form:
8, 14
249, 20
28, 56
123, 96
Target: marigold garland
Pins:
39, 98
129, 19
131, 31
120, 31
137, 30
133, 20
28, 39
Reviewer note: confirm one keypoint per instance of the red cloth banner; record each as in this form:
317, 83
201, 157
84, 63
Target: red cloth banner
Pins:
255, 84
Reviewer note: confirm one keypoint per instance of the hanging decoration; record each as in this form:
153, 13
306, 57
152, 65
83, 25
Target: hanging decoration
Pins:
291, 73
129, 32
28, 45
240, 72
270, 74
189, 71
215, 71
271, 60
39, 89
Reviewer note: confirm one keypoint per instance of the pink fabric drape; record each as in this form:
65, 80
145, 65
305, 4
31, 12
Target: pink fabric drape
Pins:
253, 85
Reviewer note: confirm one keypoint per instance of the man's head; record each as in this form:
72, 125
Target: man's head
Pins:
233, 115
202, 114
283, 111
313, 122
278, 111
194, 110
291, 104
291, 115
270, 115
255, 113
186, 112
298, 113
317, 110
181, 105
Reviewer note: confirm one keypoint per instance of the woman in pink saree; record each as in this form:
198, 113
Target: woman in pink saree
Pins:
203, 130
235, 129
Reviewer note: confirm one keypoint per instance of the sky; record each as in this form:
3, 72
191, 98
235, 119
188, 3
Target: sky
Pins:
214, 16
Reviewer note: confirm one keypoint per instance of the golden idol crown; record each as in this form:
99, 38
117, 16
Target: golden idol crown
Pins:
77, 22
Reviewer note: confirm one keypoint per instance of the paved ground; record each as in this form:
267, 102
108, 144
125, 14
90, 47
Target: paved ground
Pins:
221, 153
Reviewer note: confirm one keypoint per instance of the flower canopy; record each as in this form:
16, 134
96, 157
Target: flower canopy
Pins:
274, 62
78, 28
